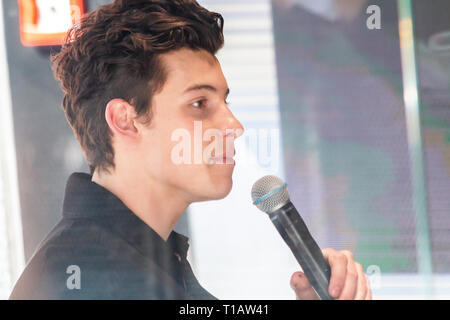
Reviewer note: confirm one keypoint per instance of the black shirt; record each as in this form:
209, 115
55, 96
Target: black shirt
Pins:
115, 255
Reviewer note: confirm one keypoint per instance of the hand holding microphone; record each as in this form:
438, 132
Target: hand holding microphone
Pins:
329, 273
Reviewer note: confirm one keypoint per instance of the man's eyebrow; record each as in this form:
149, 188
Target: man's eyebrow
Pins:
204, 87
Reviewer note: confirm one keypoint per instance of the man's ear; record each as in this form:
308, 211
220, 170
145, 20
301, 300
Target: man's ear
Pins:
120, 116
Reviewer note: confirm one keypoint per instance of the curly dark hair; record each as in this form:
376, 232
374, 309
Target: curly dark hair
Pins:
113, 52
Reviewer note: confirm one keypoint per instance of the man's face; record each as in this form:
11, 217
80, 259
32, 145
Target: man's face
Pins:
189, 144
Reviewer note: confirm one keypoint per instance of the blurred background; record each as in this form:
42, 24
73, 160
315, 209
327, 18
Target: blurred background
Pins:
347, 100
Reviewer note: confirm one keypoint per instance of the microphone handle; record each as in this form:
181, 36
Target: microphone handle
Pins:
293, 230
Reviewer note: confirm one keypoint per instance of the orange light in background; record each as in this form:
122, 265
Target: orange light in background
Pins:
46, 22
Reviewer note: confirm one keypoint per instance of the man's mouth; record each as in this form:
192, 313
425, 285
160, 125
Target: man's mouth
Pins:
224, 159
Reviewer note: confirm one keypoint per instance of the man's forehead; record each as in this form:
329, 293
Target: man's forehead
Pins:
184, 59
186, 67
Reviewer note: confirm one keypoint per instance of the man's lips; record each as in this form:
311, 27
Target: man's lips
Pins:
224, 158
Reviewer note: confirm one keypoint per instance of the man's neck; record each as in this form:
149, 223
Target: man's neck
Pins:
160, 207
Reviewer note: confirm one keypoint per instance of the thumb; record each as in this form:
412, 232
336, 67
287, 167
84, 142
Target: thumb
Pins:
302, 287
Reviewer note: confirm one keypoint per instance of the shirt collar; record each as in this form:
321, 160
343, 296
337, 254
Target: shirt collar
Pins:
86, 199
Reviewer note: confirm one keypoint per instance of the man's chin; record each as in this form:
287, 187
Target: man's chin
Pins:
217, 192
225, 192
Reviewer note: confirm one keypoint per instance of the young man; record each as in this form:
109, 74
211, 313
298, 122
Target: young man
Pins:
135, 74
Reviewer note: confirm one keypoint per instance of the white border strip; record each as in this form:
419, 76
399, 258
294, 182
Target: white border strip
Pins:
8, 168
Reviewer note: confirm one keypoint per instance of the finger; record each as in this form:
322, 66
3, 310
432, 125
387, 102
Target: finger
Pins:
338, 265
369, 289
351, 278
302, 287
361, 288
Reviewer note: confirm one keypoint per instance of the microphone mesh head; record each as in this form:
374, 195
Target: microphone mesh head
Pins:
270, 193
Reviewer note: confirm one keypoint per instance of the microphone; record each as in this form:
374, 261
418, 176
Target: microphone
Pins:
270, 195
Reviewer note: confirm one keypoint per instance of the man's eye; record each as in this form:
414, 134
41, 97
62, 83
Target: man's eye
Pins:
200, 104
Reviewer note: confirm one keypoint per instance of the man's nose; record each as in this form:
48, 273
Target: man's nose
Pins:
232, 123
